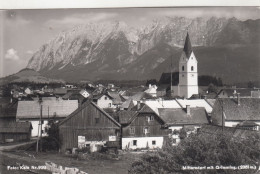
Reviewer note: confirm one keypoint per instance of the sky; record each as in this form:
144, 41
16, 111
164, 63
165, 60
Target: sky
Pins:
22, 32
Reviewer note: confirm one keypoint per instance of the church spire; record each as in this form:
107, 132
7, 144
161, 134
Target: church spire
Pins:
187, 46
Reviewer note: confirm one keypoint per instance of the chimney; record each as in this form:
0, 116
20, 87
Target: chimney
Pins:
138, 105
188, 109
238, 99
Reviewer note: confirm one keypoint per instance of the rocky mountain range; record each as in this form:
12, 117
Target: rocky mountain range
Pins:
226, 48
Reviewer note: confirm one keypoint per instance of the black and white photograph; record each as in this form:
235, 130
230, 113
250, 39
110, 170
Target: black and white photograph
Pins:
130, 90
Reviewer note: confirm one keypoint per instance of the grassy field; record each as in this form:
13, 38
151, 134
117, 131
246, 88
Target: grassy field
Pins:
91, 165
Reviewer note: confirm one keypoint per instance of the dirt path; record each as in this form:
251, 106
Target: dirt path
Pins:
10, 147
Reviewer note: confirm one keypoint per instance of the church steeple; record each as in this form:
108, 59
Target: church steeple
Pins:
187, 46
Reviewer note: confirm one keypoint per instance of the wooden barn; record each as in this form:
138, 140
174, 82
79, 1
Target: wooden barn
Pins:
15, 132
88, 125
10, 130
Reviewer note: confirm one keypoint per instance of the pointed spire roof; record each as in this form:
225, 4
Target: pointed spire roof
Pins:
187, 46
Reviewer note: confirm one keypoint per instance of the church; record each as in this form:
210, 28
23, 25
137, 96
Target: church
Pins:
188, 72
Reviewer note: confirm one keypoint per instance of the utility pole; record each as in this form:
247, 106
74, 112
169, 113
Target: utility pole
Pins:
41, 129
171, 76
223, 122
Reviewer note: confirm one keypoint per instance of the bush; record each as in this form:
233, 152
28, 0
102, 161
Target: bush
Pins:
202, 150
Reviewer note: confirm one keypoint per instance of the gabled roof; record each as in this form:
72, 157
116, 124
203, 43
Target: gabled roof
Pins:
141, 95
187, 46
60, 91
244, 92
156, 104
179, 116
8, 112
125, 116
117, 98
7, 109
247, 123
219, 130
84, 105
247, 110
96, 97
50, 108
129, 102
15, 127
195, 103
144, 109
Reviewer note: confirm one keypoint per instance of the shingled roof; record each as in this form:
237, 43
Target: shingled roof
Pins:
248, 109
219, 130
187, 46
15, 127
125, 116
50, 108
243, 92
173, 116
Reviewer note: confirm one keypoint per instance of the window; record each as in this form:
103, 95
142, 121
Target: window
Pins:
96, 120
192, 68
109, 105
134, 142
105, 98
150, 118
182, 68
132, 130
153, 142
146, 130
192, 75
182, 75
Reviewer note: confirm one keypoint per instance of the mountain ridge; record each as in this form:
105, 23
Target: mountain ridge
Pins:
115, 50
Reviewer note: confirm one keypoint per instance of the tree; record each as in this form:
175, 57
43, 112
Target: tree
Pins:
212, 88
202, 150
250, 84
52, 141
152, 82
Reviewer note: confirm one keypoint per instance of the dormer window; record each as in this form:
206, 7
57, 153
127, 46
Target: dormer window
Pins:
192, 68
182, 68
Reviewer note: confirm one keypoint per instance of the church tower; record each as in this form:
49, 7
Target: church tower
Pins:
188, 72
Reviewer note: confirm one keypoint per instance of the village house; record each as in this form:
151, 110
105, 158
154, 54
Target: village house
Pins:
28, 91
59, 92
255, 94
250, 125
230, 112
10, 130
90, 126
76, 95
117, 99
181, 103
15, 132
187, 118
152, 90
142, 128
228, 131
232, 92
84, 93
104, 101
30, 111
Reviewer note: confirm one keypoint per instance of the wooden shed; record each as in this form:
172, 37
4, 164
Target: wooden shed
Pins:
88, 124
15, 132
